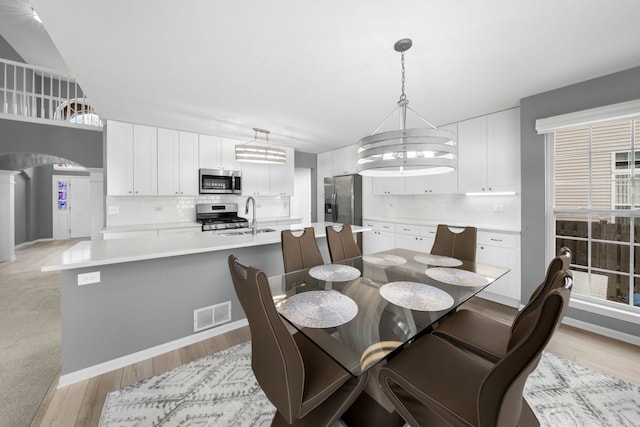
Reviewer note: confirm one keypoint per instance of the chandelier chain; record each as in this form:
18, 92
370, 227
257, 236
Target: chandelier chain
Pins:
403, 96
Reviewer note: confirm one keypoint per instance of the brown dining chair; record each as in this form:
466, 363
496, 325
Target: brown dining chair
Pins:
434, 382
299, 252
489, 338
341, 243
306, 386
456, 245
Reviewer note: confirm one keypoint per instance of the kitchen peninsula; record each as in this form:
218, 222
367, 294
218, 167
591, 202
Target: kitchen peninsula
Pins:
126, 300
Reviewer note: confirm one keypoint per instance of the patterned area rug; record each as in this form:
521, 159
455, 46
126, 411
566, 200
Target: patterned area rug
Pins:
220, 390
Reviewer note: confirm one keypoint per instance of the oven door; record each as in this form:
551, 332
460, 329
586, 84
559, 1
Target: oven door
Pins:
219, 181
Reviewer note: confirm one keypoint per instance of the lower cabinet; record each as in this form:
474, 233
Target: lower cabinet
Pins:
504, 250
493, 247
414, 237
380, 238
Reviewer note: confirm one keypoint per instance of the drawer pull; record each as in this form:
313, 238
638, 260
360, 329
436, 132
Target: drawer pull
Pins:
406, 229
496, 240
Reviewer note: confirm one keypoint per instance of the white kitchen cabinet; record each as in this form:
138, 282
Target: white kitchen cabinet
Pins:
385, 186
255, 179
132, 160
119, 161
444, 183
503, 145
218, 153
501, 249
177, 163
168, 162
188, 155
412, 237
145, 160
489, 153
282, 176
345, 160
263, 179
228, 154
380, 238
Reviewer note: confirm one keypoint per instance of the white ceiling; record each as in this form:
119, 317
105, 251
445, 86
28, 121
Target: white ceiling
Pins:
323, 74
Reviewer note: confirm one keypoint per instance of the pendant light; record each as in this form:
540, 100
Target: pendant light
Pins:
260, 153
407, 152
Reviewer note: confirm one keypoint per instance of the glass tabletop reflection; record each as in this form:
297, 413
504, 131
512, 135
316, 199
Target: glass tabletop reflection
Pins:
363, 310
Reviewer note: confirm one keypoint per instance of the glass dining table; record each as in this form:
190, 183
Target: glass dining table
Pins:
363, 310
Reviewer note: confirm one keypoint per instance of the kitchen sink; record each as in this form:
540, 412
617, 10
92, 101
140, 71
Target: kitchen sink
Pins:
243, 232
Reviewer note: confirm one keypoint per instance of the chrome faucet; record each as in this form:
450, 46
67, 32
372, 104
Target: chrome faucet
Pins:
254, 225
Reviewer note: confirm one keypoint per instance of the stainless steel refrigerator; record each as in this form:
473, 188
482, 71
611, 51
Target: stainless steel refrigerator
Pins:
343, 199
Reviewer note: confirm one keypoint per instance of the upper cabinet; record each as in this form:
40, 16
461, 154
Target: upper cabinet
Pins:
489, 153
218, 153
282, 176
345, 160
446, 183
132, 156
261, 179
178, 163
385, 186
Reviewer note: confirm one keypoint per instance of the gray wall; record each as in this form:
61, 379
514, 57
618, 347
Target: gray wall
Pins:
33, 196
611, 89
309, 160
79, 145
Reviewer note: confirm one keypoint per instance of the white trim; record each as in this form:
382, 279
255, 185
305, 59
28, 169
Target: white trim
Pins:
611, 333
120, 362
622, 110
42, 121
611, 312
46, 239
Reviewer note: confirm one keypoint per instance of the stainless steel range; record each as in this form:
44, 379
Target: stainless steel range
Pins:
222, 216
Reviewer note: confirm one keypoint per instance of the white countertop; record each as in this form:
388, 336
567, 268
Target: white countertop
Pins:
180, 224
103, 252
432, 223
157, 226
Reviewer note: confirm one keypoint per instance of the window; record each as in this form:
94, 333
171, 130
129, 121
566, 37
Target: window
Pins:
595, 194
77, 110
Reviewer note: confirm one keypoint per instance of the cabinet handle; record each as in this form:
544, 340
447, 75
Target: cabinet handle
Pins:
406, 229
481, 247
489, 188
496, 240
130, 191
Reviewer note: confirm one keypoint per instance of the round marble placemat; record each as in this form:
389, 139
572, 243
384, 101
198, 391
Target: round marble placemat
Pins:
334, 272
453, 276
416, 296
319, 309
438, 260
384, 259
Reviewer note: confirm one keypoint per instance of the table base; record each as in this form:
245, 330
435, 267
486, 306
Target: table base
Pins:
367, 412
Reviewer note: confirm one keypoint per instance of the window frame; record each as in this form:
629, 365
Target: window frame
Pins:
619, 310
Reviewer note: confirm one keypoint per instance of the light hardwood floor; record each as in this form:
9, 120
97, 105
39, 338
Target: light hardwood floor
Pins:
81, 404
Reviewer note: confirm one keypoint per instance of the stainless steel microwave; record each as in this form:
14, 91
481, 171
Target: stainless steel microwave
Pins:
216, 181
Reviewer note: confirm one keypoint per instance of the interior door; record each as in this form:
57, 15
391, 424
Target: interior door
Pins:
71, 207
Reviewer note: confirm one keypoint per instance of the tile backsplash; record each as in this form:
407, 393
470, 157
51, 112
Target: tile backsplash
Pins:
445, 208
156, 210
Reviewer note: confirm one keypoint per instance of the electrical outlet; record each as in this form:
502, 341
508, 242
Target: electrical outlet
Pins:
114, 210
88, 278
498, 208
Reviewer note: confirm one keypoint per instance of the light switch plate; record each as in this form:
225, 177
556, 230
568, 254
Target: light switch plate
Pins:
88, 278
